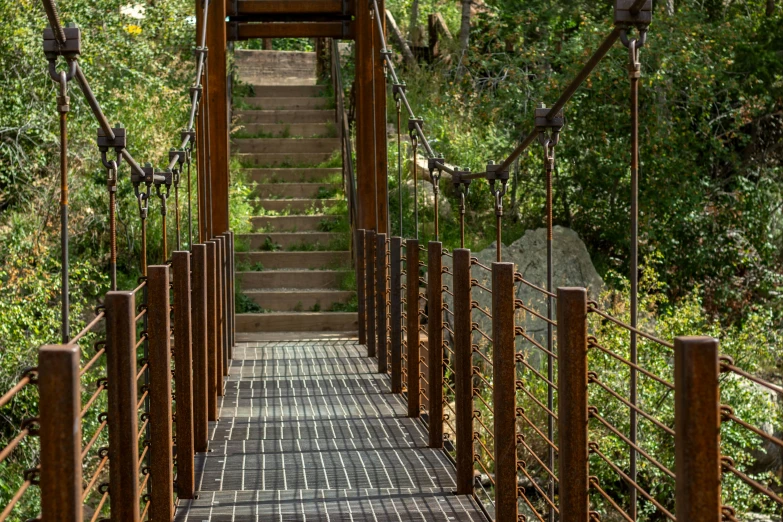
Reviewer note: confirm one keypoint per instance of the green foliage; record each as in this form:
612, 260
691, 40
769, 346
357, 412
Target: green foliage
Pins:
245, 305
352, 305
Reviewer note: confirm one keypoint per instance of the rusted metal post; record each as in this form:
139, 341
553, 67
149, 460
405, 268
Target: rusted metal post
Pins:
213, 349
200, 358
381, 308
230, 300
220, 277
369, 274
395, 292
60, 404
161, 433
224, 303
572, 410
463, 370
504, 392
361, 285
697, 428
183, 376
122, 395
435, 341
413, 338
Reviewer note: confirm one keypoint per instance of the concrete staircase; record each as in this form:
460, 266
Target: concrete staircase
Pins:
295, 266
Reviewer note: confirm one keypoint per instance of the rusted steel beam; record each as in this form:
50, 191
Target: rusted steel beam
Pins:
60, 434
200, 357
276, 7
217, 119
381, 306
395, 298
366, 190
380, 137
361, 284
412, 338
343, 30
572, 404
697, 428
222, 327
463, 370
231, 293
123, 417
435, 341
369, 274
201, 146
213, 349
504, 392
183, 376
161, 433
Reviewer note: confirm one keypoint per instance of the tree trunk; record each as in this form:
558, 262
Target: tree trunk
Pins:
464, 29
396, 35
670, 7
414, 34
770, 7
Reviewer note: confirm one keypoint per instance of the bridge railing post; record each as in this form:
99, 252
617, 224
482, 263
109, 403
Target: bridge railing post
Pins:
200, 352
230, 297
697, 427
463, 369
504, 392
435, 341
361, 284
214, 374
225, 305
369, 286
220, 275
122, 413
395, 298
60, 433
412, 325
161, 433
183, 376
572, 409
381, 306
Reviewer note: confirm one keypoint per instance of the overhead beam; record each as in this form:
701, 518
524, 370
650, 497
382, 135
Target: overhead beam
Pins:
245, 31
270, 7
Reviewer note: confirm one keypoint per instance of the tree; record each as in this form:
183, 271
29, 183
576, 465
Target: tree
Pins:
464, 28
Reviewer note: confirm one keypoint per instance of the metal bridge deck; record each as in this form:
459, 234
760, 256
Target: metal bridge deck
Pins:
309, 431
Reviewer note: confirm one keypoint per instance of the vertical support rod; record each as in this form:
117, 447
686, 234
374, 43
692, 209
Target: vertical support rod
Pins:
61, 433
697, 425
395, 298
413, 338
572, 413
213, 349
183, 376
361, 284
504, 392
435, 341
63, 108
123, 417
381, 308
200, 351
161, 433
369, 274
463, 369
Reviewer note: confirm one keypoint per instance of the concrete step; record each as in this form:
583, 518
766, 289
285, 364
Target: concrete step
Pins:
267, 279
292, 175
246, 116
275, 67
290, 91
295, 205
275, 159
291, 190
286, 145
298, 322
296, 260
288, 239
298, 300
282, 130
290, 223
287, 103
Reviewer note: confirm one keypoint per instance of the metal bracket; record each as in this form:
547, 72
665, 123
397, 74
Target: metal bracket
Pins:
188, 133
624, 17
542, 122
70, 50
398, 89
179, 154
198, 89
495, 174
118, 143
457, 178
412, 123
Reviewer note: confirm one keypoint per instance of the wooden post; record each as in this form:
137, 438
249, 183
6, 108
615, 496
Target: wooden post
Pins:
697, 425
369, 285
59, 408
381, 308
395, 268
217, 118
231, 292
161, 433
361, 285
435, 341
412, 337
504, 392
213, 349
572, 407
183, 376
200, 351
222, 327
123, 417
463, 370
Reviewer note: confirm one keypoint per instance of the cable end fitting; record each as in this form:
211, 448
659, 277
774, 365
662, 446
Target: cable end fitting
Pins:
118, 143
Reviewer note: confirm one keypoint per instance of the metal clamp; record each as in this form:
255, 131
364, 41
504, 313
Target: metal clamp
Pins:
413, 123
625, 16
70, 49
118, 144
398, 91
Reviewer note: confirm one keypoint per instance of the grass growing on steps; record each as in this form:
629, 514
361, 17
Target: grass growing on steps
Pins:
352, 305
245, 305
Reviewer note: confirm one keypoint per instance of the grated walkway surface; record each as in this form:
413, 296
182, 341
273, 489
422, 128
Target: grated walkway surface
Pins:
309, 431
